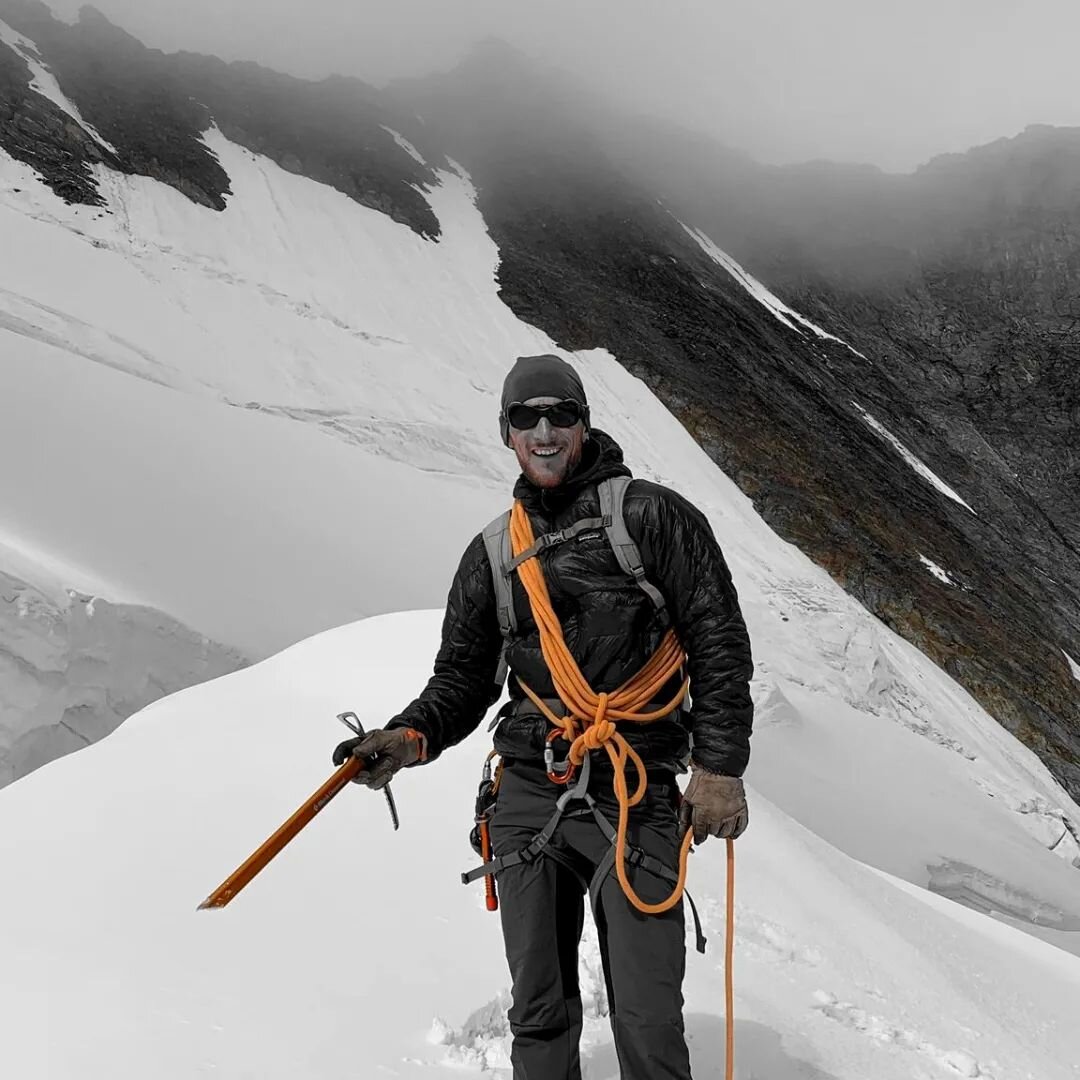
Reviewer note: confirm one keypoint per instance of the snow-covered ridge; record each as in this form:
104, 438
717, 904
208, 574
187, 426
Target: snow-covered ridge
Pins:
44, 82
404, 144
768, 299
922, 469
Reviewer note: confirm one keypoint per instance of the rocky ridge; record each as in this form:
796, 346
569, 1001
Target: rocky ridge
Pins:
152, 108
948, 367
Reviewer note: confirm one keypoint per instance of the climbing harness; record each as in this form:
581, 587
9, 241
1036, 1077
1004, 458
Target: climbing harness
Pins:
633, 855
589, 720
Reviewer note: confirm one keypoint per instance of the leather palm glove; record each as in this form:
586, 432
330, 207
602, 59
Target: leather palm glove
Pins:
383, 752
713, 805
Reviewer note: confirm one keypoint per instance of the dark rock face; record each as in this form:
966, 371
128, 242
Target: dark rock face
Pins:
971, 360
35, 131
153, 108
775, 412
976, 310
135, 102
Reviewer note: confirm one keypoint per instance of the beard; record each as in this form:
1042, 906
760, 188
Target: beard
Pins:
548, 460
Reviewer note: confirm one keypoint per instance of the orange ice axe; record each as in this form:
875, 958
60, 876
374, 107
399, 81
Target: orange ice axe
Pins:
248, 869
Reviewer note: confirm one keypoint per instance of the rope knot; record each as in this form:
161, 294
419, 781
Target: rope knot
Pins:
598, 733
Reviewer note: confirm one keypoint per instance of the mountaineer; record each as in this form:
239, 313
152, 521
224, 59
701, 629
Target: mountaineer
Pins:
603, 596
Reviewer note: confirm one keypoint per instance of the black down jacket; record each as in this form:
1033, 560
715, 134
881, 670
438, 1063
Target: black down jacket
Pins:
610, 626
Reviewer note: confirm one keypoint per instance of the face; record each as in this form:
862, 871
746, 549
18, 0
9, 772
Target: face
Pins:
547, 454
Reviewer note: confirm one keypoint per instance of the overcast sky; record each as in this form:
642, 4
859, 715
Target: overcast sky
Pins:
787, 80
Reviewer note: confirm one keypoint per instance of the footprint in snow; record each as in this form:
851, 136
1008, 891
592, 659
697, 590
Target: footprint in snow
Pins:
954, 1062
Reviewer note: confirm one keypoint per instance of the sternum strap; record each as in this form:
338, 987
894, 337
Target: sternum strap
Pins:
552, 539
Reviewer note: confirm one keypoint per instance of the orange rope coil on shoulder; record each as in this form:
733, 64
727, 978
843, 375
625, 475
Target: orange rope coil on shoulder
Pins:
590, 720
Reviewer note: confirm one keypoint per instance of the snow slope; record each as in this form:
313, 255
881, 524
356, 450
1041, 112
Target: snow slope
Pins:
358, 953
175, 374
296, 305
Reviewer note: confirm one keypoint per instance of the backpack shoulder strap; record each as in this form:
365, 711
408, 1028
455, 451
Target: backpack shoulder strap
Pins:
500, 555
612, 494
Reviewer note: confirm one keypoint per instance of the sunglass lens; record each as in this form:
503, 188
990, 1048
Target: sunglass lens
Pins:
565, 414
523, 417
561, 414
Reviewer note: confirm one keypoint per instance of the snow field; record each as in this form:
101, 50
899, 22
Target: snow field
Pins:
357, 951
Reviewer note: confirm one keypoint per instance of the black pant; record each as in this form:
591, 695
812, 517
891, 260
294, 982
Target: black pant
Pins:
542, 905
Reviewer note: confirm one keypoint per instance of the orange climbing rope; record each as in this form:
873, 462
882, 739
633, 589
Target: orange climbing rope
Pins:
589, 724
729, 959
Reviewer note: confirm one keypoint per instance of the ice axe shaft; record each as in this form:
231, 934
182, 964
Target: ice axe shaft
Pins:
270, 847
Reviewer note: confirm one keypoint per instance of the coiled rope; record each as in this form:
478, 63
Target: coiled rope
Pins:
589, 723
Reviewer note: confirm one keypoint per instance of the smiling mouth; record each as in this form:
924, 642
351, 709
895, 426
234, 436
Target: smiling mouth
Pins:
547, 451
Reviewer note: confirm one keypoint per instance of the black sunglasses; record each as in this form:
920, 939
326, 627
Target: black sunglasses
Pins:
562, 414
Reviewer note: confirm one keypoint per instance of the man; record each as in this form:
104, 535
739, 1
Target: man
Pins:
611, 627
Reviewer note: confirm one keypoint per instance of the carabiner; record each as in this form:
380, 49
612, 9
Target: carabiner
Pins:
563, 771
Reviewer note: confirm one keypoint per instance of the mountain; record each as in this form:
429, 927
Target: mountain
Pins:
948, 299
909, 469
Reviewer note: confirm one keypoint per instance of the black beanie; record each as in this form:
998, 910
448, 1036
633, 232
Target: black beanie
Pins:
540, 376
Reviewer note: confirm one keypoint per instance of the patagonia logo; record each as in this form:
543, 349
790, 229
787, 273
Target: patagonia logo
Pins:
595, 535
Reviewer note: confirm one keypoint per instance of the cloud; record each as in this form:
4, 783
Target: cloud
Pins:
787, 80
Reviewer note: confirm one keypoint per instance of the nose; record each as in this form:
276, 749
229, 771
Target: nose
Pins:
543, 429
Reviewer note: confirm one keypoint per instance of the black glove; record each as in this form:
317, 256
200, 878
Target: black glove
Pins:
383, 752
713, 805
